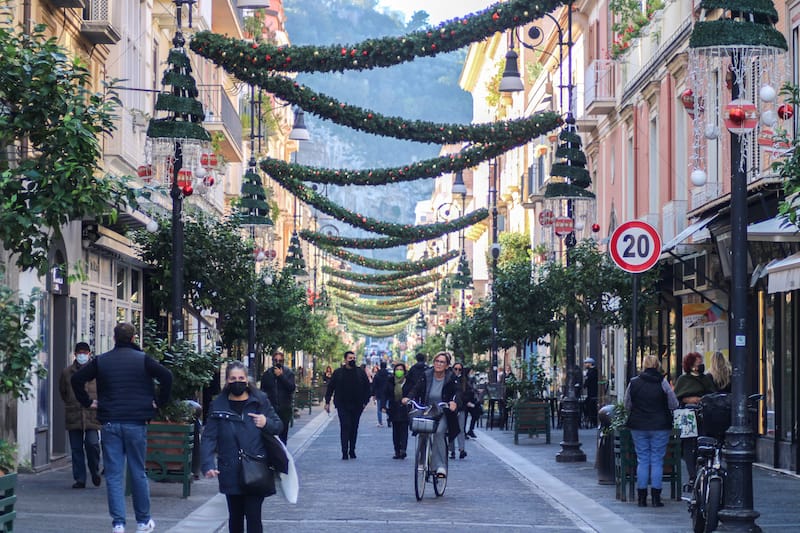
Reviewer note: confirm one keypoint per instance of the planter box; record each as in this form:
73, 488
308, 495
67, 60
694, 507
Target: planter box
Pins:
532, 418
8, 497
169, 453
625, 464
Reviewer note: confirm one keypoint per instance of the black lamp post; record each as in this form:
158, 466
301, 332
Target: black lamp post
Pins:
495, 250
460, 189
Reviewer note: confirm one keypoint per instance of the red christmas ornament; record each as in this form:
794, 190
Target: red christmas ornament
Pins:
267, 57
344, 51
786, 111
212, 160
687, 99
737, 115
595, 227
255, 46
187, 190
495, 16
208, 181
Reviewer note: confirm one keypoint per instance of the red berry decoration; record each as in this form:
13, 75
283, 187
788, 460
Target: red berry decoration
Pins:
187, 190
786, 111
267, 57
344, 51
595, 227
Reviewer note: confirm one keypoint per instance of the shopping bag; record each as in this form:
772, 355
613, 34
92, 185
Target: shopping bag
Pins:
685, 421
288, 484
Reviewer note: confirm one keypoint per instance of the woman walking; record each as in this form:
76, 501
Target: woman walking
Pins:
650, 401
692, 385
466, 397
397, 388
239, 416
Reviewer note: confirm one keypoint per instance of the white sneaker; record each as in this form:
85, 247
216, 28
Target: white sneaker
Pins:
146, 528
441, 472
119, 528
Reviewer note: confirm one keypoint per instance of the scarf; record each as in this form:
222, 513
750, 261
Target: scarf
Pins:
398, 390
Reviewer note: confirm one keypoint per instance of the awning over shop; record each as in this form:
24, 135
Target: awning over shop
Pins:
686, 233
777, 229
784, 275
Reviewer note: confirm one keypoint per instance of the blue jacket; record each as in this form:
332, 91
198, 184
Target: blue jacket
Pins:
218, 436
125, 389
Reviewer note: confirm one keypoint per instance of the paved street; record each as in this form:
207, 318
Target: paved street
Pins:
498, 487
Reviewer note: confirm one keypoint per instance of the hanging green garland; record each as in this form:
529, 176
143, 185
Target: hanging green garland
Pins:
404, 266
324, 241
380, 290
379, 332
368, 121
366, 322
408, 307
429, 168
382, 302
403, 231
366, 278
404, 283
233, 54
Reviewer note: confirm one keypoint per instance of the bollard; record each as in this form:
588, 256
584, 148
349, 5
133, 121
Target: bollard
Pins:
604, 460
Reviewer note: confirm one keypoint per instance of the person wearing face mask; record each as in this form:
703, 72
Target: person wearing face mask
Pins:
398, 387
690, 387
466, 401
279, 385
81, 422
350, 388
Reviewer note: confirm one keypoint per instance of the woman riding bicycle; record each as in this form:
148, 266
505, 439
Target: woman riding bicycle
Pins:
438, 384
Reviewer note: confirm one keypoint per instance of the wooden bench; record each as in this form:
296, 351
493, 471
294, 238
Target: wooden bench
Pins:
625, 464
169, 454
532, 418
8, 498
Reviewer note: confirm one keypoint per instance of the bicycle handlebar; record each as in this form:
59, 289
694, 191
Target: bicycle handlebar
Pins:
424, 407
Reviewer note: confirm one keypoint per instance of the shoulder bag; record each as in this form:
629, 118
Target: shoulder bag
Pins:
255, 476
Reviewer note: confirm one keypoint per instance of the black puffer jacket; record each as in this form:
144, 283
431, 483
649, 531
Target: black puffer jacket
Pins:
449, 393
218, 436
650, 401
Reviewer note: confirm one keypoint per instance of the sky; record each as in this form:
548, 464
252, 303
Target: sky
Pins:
439, 10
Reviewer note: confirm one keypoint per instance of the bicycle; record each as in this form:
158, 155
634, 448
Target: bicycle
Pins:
708, 489
424, 425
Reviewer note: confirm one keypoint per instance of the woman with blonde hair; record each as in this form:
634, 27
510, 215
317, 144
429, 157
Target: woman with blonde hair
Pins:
649, 400
720, 372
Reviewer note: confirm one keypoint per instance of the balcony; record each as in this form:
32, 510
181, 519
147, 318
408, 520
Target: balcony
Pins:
69, 4
222, 117
598, 93
96, 26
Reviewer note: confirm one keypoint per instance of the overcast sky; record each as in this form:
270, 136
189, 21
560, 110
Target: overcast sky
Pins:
439, 10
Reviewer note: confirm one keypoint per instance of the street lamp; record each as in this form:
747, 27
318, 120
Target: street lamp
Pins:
464, 275
745, 44
495, 250
174, 147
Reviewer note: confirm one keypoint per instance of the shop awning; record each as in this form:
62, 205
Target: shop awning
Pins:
784, 275
777, 229
686, 233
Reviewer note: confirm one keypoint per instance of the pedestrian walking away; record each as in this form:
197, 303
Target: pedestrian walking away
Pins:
650, 401
350, 389
379, 380
590, 384
397, 388
125, 403
239, 418
416, 371
81, 422
279, 385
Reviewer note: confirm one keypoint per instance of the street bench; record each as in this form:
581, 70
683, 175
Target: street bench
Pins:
532, 418
169, 454
625, 464
303, 399
8, 498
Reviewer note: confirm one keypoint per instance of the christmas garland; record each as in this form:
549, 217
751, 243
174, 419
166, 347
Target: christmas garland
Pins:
400, 231
404, 266
389, 304
403, 283
408, 307
325, 241
231, 53
366, 278
361, 321
379, 332
380, 290
735, 33
358, 118
429, 168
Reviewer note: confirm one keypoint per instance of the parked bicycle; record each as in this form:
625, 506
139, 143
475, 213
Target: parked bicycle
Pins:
708, 489
424, 422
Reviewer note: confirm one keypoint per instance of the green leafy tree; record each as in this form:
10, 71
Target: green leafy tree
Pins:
50, 130
18, 351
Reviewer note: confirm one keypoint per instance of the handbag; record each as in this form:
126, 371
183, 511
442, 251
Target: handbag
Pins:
255, 476
685, 421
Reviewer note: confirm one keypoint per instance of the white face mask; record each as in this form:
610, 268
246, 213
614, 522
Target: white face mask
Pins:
82, 358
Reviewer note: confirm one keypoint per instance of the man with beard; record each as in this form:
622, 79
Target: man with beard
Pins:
350, 389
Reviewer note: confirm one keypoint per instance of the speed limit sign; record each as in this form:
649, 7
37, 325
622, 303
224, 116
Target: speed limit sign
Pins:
635, 246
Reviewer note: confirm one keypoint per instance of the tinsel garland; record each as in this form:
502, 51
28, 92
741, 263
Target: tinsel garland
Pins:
366, 278
400, 231
403, 266
380, 290
398, 127
232, 54
429, 168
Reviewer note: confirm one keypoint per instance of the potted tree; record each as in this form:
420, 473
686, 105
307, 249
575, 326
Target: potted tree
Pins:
528, 403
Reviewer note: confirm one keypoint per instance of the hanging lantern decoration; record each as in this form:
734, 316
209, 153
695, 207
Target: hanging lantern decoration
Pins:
184, 177
769, 118
712, 132
204, 160
187, 190
786, 111
698, 177
691, 104
212, 160
145, 172
740, 116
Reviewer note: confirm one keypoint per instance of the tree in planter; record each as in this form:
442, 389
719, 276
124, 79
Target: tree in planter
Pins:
52, 124
532, 383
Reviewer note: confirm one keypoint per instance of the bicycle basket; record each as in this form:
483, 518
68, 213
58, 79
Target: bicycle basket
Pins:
422, 424
714, 415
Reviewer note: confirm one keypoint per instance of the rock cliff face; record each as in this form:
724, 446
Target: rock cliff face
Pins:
424, 89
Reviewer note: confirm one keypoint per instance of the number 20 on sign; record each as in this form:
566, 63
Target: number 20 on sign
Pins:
635, 246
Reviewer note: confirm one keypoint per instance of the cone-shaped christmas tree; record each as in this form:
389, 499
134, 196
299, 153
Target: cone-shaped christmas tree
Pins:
743, 23
463, 277
294, 257
571, 165
253, 208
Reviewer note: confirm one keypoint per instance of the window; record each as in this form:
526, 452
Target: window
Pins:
653, 184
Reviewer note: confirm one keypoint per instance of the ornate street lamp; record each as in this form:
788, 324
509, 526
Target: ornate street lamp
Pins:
175, 147
745, 44
463, 276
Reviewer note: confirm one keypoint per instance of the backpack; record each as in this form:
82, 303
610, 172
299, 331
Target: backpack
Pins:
714, 415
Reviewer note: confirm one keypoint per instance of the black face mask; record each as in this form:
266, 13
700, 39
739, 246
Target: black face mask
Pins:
237, 388
701, 368
277, 364
351, 363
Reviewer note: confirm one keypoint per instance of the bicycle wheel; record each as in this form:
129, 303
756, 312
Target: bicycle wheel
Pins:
440, 483
420, 465
713, 503
696, 506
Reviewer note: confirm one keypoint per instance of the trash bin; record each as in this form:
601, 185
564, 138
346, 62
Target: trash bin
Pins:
604, 460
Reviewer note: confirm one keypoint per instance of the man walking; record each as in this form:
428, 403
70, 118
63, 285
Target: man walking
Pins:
349, 387
81, 422
590, 384
278, 383
379, 381
125, 403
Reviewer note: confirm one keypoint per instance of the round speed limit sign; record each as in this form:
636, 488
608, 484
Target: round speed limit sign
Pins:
635, 246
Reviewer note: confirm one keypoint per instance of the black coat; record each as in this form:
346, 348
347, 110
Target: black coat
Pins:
397, 411
348, 391
422, 389
379, 384
466, 394
279, 389
218, 436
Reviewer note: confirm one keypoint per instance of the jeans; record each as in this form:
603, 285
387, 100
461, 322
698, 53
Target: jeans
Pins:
651, 446
241, 506
121, 441
348, 427
381, 405
88, 441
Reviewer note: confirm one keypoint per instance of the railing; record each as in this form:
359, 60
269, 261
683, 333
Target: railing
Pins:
220, 109
599, 82
703, 195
